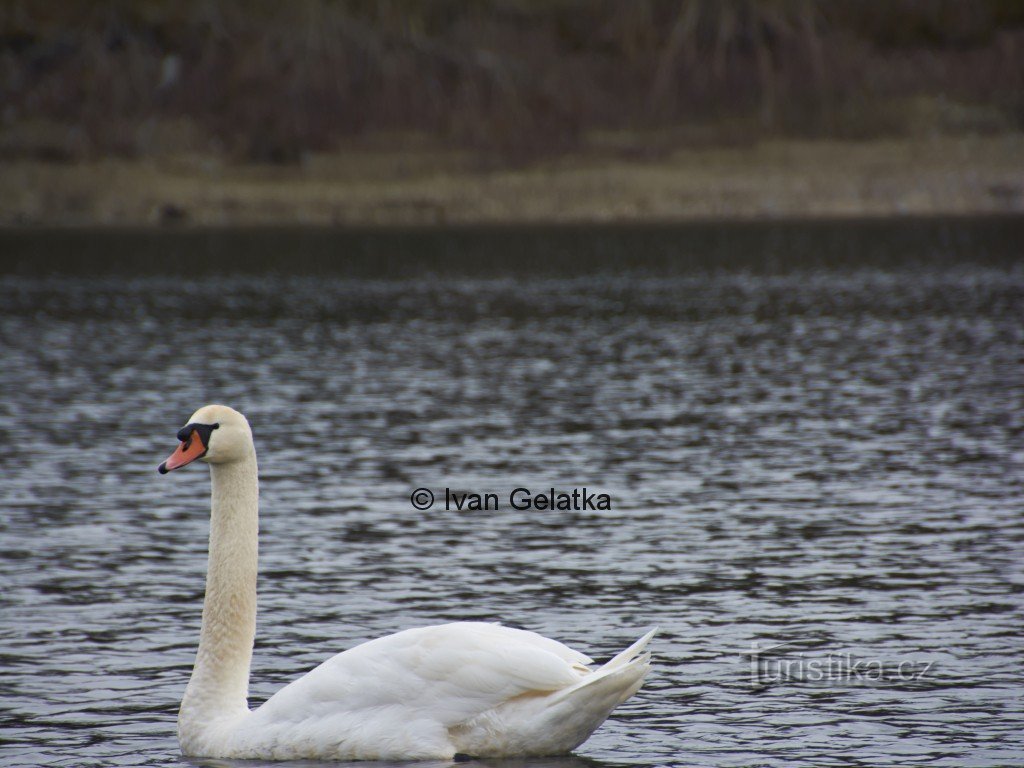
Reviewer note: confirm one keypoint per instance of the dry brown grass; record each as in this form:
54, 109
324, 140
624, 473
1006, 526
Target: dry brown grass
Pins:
263, 81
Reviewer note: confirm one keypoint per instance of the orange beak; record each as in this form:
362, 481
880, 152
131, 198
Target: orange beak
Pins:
187, 452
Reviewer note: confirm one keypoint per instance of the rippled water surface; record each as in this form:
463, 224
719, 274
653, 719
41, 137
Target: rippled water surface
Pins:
810, 435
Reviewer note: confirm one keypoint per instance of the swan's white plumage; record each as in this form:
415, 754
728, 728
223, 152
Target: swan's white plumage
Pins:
431, 692
413, 693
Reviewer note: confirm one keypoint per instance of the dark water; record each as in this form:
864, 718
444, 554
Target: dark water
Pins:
810, 435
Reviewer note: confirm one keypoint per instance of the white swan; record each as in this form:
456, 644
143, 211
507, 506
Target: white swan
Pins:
466, 688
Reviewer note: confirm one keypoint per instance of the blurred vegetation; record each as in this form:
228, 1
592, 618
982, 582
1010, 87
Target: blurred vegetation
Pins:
271, 81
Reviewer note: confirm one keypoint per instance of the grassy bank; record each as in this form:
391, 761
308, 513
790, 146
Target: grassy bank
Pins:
129, 112
609, 180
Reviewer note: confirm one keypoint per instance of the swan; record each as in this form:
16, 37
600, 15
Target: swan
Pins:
466, 688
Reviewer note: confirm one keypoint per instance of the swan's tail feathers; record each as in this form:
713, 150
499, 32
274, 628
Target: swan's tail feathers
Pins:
630, 653
625, 673
577, 711
556, 723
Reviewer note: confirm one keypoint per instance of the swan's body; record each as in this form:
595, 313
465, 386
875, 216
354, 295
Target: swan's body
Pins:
433, 692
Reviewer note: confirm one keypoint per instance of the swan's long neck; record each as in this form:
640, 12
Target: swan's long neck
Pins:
219, 687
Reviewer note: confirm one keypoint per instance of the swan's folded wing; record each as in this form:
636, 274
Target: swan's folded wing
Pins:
453, 671
499, 633
469, 669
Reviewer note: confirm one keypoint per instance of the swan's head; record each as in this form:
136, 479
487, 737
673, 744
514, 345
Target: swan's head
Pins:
216, 434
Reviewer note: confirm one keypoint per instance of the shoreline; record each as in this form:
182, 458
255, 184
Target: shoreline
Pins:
423, 187
17, 230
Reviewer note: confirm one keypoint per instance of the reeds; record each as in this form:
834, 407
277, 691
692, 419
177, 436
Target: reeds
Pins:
271, 81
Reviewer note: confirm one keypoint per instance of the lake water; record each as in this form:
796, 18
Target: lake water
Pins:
809, 434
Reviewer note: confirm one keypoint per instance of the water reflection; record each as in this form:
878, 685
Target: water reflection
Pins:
570, 761
800, 445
